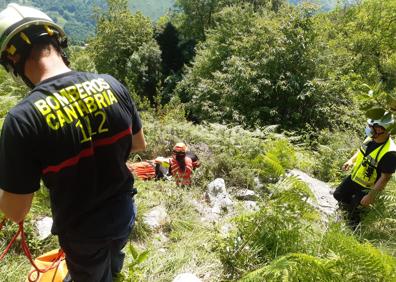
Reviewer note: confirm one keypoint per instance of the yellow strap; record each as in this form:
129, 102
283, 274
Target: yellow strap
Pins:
25, 38
49, 30
11, 50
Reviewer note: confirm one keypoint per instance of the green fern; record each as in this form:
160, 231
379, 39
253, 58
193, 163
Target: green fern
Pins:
379, 224
269, 167
284, 224
296, 267
282, 150
359, 261
294, 184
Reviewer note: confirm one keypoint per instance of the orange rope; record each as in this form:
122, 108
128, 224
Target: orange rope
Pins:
26, 250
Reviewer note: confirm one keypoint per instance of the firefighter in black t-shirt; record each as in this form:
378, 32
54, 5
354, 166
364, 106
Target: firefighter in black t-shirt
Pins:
74, 131
372, 167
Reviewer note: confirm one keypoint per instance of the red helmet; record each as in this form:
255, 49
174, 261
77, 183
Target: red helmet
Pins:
180, 149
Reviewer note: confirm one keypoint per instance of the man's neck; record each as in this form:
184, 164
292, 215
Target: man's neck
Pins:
45, 67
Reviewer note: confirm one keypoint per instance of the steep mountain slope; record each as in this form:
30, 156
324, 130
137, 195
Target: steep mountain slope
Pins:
77, 16
152, 8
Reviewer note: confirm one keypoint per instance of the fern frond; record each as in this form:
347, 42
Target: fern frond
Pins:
359, 262
272, 163
296, 185
295, 267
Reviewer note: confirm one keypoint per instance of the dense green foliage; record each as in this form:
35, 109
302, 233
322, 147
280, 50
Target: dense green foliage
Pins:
10, 93
258, 68
283, 241
125, 48
284, 238
256, 64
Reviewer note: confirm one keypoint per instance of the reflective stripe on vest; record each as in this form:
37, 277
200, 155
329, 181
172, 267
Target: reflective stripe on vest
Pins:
182, 177
364, 171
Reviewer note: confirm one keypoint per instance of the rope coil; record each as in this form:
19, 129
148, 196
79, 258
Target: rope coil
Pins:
55, 263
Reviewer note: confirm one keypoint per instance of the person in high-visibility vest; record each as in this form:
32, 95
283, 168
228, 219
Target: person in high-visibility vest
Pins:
74, 131
372, 167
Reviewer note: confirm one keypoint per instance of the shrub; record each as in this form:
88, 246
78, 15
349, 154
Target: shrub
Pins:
278, 155
333, 150
283, 225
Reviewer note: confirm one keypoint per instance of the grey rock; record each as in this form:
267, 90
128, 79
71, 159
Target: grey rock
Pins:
258, 183
156, 217
226, 229
186, 277
218, 197
246, 195
216, 187
326, 203
251, 205
44, 226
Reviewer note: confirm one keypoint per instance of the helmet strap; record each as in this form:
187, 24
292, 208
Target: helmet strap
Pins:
19, 69
23, 44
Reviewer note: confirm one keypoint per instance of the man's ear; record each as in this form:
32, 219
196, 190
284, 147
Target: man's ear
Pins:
14, 58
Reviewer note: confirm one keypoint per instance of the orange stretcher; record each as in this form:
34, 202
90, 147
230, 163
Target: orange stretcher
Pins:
143, 170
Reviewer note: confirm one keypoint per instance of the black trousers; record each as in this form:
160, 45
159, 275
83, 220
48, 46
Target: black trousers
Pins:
97, 260
349, 194
94, 261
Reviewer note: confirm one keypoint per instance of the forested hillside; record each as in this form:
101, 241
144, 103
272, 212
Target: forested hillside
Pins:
257, 89
78, 16
152, 8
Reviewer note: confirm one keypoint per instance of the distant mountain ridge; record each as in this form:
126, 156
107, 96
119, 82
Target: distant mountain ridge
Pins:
76, 16
156, 8
152, 8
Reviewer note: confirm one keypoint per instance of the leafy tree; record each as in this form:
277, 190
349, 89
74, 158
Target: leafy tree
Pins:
124, 47
171, 55
172, 58
259, 68
196, 17
273, 5
80, 59
358, 46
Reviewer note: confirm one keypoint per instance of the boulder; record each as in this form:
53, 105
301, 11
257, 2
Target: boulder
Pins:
218, 197
216, 187
156, 217
207, 213
326, 203
44, 226
258, 183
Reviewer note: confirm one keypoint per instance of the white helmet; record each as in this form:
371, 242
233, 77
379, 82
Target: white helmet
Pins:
387, 121
20, 27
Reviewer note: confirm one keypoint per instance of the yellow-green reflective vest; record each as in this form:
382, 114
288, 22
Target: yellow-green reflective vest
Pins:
364, 171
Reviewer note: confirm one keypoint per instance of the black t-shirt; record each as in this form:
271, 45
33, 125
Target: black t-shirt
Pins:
74, 131
387, 164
